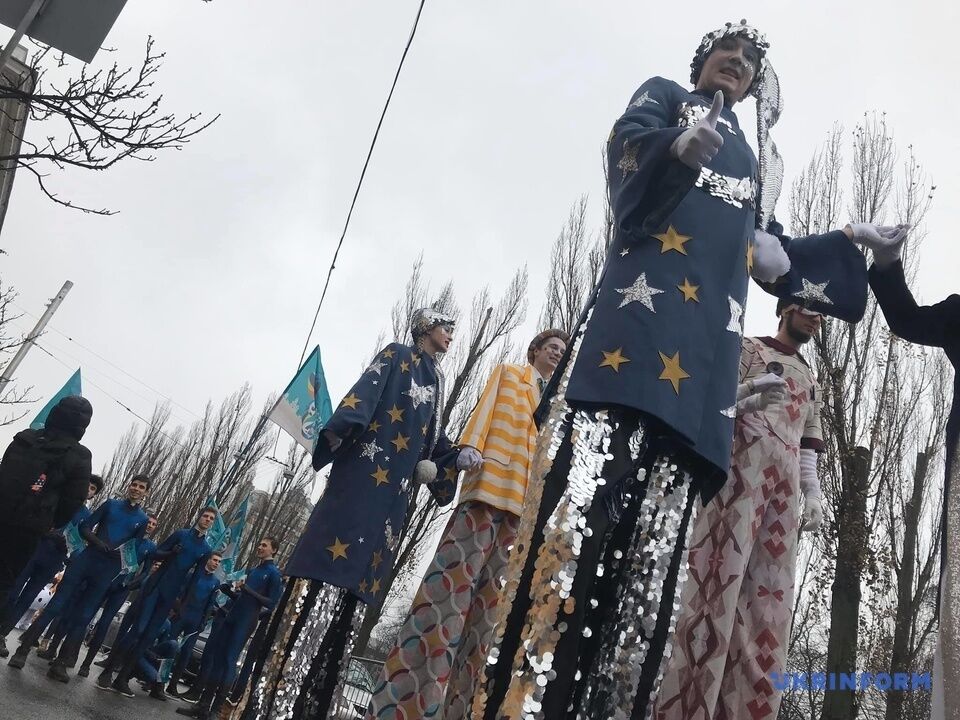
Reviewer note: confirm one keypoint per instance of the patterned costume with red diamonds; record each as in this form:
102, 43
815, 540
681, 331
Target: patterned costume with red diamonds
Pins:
737, 605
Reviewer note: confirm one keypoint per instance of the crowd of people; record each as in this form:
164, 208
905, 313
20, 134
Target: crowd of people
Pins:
628, 501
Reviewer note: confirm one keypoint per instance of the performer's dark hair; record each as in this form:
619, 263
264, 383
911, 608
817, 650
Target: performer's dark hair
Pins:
141, 478
97, 481
542, 338
273, 542
209, 508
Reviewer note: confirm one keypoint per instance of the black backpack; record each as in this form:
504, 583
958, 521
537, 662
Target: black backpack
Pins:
32, 478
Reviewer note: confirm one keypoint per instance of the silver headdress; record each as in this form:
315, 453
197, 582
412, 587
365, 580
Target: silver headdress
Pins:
426, 319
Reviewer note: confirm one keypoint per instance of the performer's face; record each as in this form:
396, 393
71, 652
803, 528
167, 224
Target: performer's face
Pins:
91, 491
439, 339
137, 491
213, 563
206, 520
802, 326
549, 354
730, 68
151, 525
265, 549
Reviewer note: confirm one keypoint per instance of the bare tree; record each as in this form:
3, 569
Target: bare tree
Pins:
13, 396
91, 118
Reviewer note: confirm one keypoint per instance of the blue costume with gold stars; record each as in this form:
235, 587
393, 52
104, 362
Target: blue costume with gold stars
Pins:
388, 426
641, 419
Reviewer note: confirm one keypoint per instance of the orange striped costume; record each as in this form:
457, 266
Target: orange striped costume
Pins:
431, 672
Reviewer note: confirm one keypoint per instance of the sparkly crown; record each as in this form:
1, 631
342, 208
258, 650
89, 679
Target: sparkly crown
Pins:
740, 29
426, 319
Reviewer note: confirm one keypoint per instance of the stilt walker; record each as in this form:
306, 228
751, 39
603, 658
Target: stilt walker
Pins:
431, 671
384, 440
642, 420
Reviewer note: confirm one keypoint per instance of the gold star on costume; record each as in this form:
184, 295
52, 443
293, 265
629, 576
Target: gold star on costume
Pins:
404, 366
400, 442
749, 257
628, 160
614, 359
689, 291
377, 559
672, 240
388, 353
640, 292
396, 414
450, 473
416, 360
362, 587
374, 426
338, 549
351, 401
425, 428
672, 371
814, 291
375, 588
380, 476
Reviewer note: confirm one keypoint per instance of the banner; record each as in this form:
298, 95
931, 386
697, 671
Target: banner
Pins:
305, 405
234, 532
217, 533
129, 562
75, 541
71, 388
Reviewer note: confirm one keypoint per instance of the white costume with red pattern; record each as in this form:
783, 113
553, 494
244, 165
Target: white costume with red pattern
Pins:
735, 616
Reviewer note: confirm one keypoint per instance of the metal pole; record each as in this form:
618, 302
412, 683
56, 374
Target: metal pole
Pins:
224, 484
12, 366
35, 7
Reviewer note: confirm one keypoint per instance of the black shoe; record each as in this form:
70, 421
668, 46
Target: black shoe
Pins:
101, 663
193, 695
194, 712
58, 672
19, 658
122, 687
3, 648
156, 692
48, 653
83, 671
105, 680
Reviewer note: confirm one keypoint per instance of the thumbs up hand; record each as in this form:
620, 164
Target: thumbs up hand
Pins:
698, 145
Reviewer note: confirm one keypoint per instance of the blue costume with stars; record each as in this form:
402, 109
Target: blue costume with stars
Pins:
388, 425
640, 422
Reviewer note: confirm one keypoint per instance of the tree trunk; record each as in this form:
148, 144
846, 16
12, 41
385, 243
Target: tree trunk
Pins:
852, 536
900, 654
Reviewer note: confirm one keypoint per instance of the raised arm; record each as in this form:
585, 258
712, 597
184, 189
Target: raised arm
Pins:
933, 325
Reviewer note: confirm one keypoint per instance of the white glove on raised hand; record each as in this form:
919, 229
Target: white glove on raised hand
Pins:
812, 514
697, 146
469, 459
761, 401
766, 382
885, 241
770, 260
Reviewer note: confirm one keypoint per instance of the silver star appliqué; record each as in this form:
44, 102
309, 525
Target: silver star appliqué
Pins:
419, 394
624, 252
370, 449
645, 98
730, 412
814, 292
628, 161
639, 292
376, 367
736, 317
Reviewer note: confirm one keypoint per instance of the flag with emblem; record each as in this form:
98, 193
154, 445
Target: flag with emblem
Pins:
71, 387
305, 405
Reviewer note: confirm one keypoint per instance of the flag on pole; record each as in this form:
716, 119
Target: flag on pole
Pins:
234, 531
305, 405
71, 388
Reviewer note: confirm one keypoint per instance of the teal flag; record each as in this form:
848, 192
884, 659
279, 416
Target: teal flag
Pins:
71, 388
234, 532
305, 406
129, 562
75, 542
217, 533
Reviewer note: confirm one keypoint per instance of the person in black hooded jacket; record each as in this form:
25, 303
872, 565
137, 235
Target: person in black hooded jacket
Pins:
44, 480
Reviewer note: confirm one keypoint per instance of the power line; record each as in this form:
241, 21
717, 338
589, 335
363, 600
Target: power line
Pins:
363, 173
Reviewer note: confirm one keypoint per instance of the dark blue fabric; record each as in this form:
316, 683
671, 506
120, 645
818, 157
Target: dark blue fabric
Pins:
111, 606
197, 599
117, 521
264, 580
653, 194
39, 571
170, 580
85, 583
358, 510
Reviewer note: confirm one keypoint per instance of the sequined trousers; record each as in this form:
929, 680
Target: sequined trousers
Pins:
431, 671
945, 701
592, 588
307, 648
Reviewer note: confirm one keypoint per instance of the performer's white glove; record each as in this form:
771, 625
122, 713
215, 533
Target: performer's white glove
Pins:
697, 146
759, 385
761, 401
770, 260
885, 241
469, 459
810, 488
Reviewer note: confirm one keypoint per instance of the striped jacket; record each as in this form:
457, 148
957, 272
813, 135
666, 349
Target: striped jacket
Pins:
502, 429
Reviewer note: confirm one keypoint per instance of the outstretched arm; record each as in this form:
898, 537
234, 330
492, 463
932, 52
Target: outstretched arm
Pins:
933, 325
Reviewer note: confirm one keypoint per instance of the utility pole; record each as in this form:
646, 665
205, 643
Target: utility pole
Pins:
34, 334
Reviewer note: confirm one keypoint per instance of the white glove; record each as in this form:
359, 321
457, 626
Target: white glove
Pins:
812, 514
770, 260
761, 401
885, 241
698, 145
766, 382
469, 459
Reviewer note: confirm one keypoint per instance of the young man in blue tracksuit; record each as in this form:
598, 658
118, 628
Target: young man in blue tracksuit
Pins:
48, 559
259, 592
109, 526
117, 595
194, 608
181, 553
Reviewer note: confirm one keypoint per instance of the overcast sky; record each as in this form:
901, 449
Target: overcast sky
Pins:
209, 275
